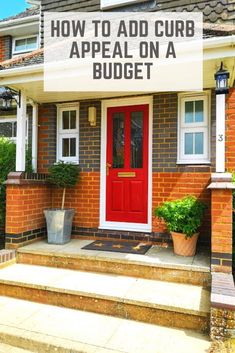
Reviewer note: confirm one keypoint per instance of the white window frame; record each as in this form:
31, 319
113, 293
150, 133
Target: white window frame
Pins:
16, 52
107, 4
13, 119
67, 133
183, 128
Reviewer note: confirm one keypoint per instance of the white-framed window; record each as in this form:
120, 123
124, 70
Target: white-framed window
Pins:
105, 4
68, 133
194, 128
22, 45
8, 128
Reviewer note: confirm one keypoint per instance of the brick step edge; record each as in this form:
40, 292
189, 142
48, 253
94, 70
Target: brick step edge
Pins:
102, 265
126, 309
38, 342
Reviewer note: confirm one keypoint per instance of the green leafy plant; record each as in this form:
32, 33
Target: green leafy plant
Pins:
7, 165
182, 216
63, 175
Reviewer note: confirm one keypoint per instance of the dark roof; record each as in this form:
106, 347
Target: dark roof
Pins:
33, 58
32, 11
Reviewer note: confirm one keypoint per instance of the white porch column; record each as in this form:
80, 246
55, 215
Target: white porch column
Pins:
220, 133
21, 134
35, 137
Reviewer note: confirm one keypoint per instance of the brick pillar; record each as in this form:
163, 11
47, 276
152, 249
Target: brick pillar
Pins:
25, 202
221, 222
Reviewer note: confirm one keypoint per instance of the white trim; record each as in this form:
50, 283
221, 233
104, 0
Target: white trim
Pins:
34, 136
194, 127
16, 52
108, 4
19, 21
74, 133
220, 133
124, 225
21, 133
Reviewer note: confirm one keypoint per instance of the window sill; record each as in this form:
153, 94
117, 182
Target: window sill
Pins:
192, 162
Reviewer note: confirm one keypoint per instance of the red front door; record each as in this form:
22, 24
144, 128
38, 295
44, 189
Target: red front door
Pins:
127, 164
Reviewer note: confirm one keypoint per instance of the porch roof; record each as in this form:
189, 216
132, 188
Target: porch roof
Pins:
26, 72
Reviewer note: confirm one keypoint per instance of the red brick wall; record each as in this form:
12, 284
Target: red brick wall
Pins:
221, 230
24, 211
2, 49
171, 186
5, 48
84, 198
230, 131
46, 137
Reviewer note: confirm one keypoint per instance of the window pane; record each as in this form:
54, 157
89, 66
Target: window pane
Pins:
20, 44
188, 149
65, 120
73, 147
15, 129
199, 118
73, 119
137, 140
31, 43
199, 143
189, 112
118, 140
6, 129
65, 147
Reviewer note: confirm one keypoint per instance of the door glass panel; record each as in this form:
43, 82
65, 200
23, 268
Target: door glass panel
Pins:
199, 143
118, 140
188, 143
137, 140
199, 111
189, 112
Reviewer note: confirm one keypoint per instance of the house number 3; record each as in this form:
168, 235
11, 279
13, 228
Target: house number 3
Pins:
221, 138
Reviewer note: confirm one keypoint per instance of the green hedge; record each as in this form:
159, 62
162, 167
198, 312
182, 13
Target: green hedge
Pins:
7, 165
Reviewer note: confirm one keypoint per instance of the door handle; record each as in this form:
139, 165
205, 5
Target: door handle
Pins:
108, 165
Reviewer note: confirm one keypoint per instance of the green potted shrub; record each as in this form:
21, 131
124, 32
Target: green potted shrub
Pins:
59, 221
183, 218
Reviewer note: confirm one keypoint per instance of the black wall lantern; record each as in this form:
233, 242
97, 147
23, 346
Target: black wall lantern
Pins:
7, 97
221, 78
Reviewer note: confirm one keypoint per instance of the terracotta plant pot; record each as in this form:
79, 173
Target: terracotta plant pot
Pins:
184, 246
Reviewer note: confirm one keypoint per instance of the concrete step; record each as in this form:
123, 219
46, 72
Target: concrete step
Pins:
157, 302
158, 263
6, 348
45, 329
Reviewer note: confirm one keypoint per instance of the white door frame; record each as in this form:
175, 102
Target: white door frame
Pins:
125, 226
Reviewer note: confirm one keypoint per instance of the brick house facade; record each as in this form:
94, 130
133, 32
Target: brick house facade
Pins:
170, 177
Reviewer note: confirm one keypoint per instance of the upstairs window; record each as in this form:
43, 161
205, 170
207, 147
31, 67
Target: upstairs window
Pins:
24, 45
105, 4
193, 129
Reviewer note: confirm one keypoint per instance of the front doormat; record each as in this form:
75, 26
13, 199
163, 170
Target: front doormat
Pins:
114, 246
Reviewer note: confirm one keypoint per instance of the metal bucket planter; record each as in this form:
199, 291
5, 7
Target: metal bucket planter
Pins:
59, 225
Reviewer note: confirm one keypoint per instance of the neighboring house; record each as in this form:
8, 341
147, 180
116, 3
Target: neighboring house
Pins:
18, 35
175, 157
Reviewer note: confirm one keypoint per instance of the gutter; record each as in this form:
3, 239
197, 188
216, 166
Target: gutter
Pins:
218, 42
22, 70
24, 20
